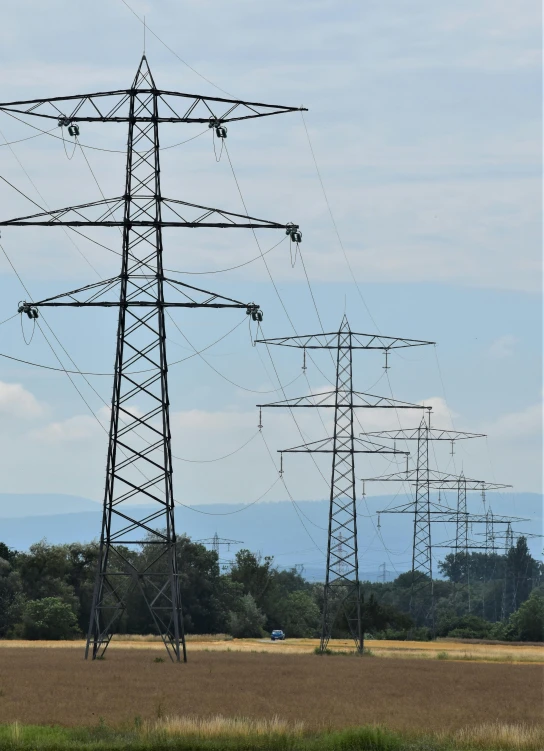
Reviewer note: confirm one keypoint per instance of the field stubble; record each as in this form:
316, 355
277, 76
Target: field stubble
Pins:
56, 686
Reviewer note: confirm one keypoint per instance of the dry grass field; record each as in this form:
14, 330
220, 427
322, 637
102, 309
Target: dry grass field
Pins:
49, 686
442, 649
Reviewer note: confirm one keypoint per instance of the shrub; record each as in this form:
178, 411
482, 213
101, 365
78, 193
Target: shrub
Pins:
527, 623
49, 618
248, 620
470, 627
419, 634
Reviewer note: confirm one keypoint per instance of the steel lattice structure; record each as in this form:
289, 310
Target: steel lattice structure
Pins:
342, 586
436, 512
421, 507
139, 463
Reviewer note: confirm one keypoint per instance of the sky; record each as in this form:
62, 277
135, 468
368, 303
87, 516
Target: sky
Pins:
425, 122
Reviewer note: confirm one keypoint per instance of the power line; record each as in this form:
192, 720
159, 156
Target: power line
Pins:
336, 226
147, 27
86, 145
218, 458
228, 513
42, 198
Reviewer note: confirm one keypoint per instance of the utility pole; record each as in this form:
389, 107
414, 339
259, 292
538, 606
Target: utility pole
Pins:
383, 573
342, 586
421, 541
139, 464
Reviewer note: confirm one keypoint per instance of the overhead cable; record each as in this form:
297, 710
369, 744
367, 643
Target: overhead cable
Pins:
86, 145
336, 226
146, 26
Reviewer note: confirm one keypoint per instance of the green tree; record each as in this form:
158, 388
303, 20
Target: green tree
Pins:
49, 618
45, 571
253, 573
11, 598
527, 623
248, 620
7, 553
300, 617
521, 567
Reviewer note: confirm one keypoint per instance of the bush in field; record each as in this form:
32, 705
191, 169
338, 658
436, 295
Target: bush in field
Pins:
527, 623
422, 633
248, 620
464, 627
49, 618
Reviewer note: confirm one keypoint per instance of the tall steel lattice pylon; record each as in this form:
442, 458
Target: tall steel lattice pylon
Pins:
139, 462
342, 573
342, 592
461, 534
422, 548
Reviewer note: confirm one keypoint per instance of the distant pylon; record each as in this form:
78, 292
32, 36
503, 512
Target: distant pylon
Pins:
421, 507
342, 592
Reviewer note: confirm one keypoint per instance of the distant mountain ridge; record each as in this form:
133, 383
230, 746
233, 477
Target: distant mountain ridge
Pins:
294, 536
20, 505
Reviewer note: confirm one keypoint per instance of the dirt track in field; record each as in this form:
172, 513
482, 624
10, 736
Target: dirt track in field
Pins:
41, 685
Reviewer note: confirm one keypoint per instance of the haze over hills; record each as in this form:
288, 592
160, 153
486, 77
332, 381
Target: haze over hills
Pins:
294, 535
20, 505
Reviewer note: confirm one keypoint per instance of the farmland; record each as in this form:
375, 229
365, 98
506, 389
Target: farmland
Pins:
442, 649
49, 686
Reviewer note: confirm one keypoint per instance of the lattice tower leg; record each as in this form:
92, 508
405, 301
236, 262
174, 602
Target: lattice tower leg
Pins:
137, 557
342, 587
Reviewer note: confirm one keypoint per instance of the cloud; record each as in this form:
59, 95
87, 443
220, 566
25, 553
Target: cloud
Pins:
502, 347
78, 428
525, 424
16, 401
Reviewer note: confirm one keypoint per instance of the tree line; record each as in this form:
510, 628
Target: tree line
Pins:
46, 593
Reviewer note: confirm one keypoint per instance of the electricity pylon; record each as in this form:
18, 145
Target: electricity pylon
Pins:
342, 586
139, 464
438, 513
421, 506
216, 542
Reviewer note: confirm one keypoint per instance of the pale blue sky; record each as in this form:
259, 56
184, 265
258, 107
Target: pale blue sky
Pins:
426, 122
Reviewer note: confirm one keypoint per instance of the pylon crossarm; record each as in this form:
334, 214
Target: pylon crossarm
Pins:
173, 107
91, 297
469, 485
412, 434
503, 535
102, 214
356, 399
327, 446
330, 341
451, 516
438, 480
468, 545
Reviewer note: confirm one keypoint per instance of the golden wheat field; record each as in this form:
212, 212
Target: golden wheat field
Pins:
441, 649
43, 685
